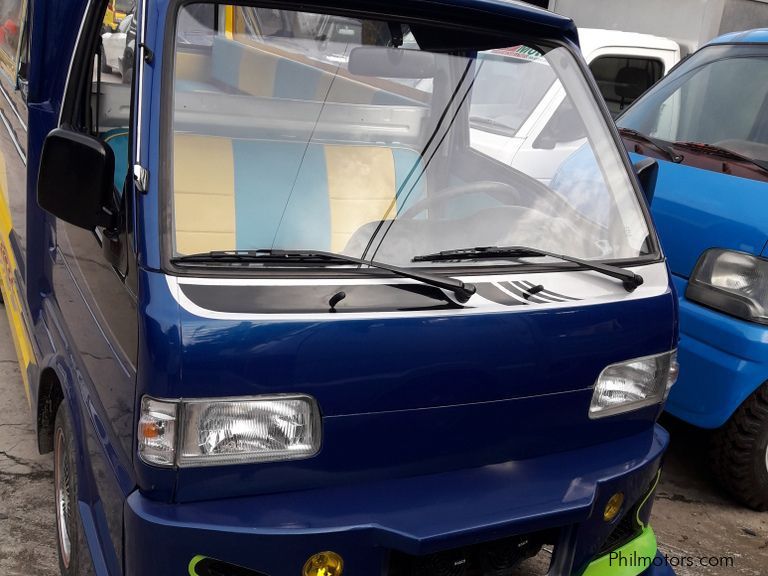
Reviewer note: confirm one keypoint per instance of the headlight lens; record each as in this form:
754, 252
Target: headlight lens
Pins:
257, 430
229, 431
731, 282
633, 384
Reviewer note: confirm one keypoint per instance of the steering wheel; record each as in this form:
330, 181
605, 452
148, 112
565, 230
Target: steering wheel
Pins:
507, 194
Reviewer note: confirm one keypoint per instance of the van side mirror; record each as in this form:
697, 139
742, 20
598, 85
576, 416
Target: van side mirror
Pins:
75, 182
647, 172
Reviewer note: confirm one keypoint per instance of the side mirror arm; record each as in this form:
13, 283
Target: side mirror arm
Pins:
647, 171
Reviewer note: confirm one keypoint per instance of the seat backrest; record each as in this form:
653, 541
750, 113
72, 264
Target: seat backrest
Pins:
117, 139
268, 72
631, 82
259, 194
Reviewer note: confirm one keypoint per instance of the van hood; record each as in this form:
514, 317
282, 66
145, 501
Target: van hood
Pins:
696, 209
407, 380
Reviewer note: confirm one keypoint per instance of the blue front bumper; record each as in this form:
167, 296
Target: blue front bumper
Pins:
276, 533
722, 361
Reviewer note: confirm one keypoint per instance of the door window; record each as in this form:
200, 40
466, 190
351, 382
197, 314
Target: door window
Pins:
623, 79
11, 17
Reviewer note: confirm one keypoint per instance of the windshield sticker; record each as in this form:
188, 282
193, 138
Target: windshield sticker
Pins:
521, 53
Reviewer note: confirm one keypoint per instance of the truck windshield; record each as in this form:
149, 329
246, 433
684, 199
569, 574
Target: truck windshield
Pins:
380, 140
719, 98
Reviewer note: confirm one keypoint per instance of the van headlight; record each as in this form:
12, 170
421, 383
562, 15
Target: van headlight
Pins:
731, 282
634, 384
210, 432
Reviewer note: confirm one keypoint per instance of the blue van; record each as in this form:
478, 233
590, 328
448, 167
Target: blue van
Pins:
278, 316
707, 123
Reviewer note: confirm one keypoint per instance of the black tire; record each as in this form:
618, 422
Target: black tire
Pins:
75, 560
739, 452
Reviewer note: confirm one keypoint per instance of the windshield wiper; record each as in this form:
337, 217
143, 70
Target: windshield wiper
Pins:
659, 145
713, 150
461, 290
491, 123
629, 279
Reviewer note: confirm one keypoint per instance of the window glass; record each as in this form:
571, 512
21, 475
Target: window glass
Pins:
11, 12
699, 103
506, 110
622, 80
383, 141
110, 101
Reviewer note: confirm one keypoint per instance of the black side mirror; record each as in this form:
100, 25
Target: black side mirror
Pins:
75, 182
647, 172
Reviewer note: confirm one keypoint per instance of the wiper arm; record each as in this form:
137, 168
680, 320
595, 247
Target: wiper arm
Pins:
658, 145
629, 279
713, 150
461, 290
490, 122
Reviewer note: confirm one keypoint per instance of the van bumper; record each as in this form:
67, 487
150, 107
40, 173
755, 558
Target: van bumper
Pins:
722, 361
562, 495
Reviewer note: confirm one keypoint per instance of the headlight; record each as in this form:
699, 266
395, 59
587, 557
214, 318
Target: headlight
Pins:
633, 384
731, 282
232, 431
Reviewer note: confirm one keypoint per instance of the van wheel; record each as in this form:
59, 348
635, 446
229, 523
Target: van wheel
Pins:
73, 557
739, 453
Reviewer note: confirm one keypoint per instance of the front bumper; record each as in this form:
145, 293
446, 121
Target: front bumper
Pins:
273, 534
722, 361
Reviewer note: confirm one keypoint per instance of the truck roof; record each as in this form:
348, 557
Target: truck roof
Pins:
756, 36
592, 39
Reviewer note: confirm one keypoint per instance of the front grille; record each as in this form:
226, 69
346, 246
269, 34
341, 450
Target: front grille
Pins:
497, 558
626, 529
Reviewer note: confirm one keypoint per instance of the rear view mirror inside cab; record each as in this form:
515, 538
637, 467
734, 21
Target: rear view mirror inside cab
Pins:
391, 62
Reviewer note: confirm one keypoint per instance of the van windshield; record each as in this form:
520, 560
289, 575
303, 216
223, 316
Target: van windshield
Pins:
718, 98
384, 141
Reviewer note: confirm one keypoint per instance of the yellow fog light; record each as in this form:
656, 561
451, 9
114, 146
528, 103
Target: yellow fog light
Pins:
613, 507
324, 564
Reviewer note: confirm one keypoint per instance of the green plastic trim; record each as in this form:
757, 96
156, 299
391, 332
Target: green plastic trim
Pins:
638, 556
193, 565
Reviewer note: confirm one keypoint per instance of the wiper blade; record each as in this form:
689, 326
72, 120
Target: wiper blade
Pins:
629, 279
461, 290
659, 145
483, 120
713, 150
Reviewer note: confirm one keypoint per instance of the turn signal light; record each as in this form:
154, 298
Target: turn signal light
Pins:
613, 507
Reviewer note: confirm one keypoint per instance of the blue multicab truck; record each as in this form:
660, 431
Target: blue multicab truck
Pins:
276, 315
711, 142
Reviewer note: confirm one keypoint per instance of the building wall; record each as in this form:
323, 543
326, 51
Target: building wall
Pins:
689, 22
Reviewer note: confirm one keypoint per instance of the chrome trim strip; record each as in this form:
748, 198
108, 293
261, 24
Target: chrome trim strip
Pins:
14, 138
13, 107
140, 86
72, 59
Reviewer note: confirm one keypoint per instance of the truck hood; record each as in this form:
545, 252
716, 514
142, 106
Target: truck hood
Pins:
696, 209
408, 381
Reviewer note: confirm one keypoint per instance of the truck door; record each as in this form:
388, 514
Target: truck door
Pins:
95, 288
